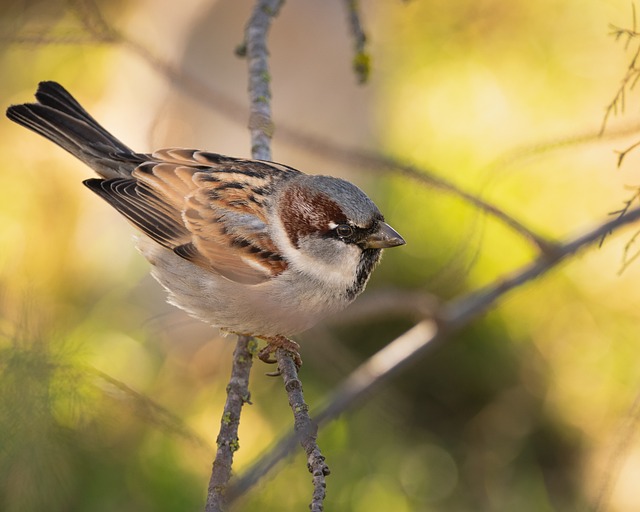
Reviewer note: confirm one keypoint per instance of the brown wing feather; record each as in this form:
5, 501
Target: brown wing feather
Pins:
231, 234
207, 208
143, 208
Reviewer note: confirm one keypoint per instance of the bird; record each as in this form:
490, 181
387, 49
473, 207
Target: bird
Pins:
253, 247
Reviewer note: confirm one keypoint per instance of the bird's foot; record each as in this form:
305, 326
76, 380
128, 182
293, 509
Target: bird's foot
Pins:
267, 354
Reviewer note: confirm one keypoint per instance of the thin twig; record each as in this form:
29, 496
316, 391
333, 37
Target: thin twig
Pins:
152, 411
90, 15
628, 260
260, 123
621, 449
361, 57
47, 40
623, 211
387, 302
237, 396
305, 428
414, 344
529, 151
632, 74
622, 154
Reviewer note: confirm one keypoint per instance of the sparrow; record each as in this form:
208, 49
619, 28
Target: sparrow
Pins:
253, 247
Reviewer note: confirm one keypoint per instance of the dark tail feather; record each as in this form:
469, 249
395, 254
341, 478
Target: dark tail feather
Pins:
60, 118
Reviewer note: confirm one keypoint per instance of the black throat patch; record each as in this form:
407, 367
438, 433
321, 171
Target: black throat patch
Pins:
368, 261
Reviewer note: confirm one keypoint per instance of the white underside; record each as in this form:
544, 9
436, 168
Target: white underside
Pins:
290, 303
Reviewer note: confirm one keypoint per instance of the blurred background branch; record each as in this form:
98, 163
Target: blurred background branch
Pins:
227, 440
257, 54
361, 57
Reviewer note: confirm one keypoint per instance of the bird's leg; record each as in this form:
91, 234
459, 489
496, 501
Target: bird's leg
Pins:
266, 355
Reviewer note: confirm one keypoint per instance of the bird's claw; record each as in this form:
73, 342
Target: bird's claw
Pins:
267, 354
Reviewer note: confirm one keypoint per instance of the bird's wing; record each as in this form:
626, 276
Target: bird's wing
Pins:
207, 208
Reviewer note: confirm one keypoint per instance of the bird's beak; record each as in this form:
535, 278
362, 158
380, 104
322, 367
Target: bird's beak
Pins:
385, 237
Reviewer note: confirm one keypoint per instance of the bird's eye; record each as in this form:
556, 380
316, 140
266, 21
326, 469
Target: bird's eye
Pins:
344, 230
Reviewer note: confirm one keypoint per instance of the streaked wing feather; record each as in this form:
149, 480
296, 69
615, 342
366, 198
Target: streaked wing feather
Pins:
233, 240
143, 208
207, 208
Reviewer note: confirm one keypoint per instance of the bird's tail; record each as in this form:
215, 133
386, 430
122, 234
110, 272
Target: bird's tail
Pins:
61, 119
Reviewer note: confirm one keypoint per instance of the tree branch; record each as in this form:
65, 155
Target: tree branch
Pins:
237, 396
361, 58
260, 123
305, 429
151, 411
632, 74
414, 343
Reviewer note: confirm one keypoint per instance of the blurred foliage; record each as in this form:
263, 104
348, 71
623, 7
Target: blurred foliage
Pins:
110, 400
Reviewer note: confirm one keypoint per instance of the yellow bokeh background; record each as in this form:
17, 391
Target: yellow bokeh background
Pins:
110, 399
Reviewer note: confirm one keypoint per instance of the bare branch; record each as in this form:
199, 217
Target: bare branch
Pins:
622, 154
361, 58
390, 302
627, 258
621, 213
91, 18
260, 123
414, 344
632, 74
48, 40
237, 396
527, 151
152, 411
622, 447
305, 429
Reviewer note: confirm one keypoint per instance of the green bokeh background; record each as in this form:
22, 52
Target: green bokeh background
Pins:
110, 399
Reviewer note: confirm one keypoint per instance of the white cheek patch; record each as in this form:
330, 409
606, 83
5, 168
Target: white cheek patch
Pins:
340, 272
